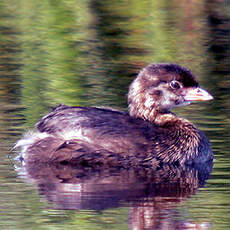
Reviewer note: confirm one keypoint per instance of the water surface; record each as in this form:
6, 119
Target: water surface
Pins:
87, 53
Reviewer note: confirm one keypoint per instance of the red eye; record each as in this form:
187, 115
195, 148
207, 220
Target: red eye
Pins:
175, 84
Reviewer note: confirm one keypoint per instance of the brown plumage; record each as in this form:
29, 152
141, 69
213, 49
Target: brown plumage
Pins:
148, 134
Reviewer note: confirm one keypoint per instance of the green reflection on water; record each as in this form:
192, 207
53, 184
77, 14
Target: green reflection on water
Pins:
86, 53
60, 41
51, 54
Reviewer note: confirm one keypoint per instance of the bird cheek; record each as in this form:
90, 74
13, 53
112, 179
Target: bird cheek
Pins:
149, 102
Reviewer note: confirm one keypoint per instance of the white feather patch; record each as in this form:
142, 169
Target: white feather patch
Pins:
28, 139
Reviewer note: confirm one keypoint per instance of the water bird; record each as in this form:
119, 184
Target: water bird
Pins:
148, 134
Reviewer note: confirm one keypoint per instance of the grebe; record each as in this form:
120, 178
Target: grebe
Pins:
149, 133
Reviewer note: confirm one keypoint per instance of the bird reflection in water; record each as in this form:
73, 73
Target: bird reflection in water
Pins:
151, 193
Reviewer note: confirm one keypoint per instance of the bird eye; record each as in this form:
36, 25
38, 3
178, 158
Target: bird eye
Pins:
175, 84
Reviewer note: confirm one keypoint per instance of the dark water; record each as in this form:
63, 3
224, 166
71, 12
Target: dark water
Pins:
87, 53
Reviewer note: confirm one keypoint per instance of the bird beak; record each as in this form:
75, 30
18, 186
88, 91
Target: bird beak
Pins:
197, 94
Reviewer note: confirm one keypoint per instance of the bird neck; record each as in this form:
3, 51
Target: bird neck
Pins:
181, 140
153, 114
